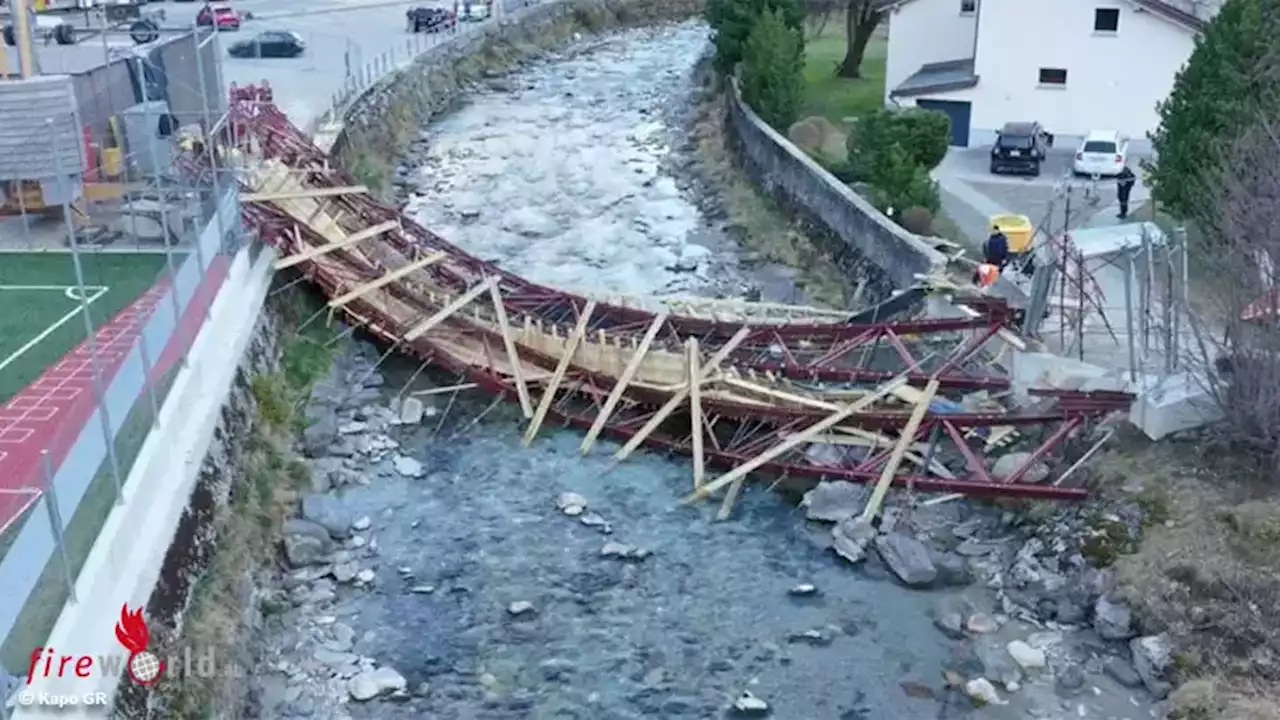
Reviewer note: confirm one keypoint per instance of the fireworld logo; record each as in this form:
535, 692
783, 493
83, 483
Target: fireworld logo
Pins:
143, 666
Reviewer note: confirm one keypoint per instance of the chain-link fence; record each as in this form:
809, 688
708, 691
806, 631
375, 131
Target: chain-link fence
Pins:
111, 253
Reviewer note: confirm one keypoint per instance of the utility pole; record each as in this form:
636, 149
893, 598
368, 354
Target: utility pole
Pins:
22, 34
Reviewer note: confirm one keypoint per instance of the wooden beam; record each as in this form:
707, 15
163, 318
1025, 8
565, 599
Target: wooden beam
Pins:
346, 242
792, 441
387, 279
695, 413
517, 372
458, 303
264, 197
570, 348
905, 440
628, 373
679, 396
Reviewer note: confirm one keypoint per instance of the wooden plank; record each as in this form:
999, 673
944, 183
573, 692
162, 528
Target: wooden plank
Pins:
679, 396
792, 441
517, 372
628, 373
905, 440
695, 413
346, 242
387, 279
460, 302
264, 197
570, 348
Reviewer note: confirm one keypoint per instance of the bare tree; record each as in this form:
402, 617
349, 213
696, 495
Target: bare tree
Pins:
817, 14
861, 19
1234, 319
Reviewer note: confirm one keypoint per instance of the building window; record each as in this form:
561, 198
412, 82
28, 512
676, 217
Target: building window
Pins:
1106, 20
968, 7
1053, 77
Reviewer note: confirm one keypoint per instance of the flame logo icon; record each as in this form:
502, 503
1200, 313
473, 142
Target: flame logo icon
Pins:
144, 667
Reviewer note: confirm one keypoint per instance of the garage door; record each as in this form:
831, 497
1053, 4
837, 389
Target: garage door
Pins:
958, 112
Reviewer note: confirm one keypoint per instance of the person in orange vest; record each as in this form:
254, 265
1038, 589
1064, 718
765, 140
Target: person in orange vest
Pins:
986, 275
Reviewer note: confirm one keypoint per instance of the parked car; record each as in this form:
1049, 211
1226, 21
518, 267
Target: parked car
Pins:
429, 20
1103, 153
270, 44
1020, 147
222, 17
473, 10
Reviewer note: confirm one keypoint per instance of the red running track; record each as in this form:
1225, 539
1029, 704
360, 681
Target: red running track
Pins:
51, 411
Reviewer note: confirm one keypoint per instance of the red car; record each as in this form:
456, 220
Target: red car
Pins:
222, 17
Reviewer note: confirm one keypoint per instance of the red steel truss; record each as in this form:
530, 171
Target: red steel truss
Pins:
957, 444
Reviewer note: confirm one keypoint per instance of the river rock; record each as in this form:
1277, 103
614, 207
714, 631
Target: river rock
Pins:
1027, 657
319, 435
834, 501
411, 411
1152, 656
305, 542
1113, 620
372, 683
408, 467
328, 512
571, 503
749, 705
1007, 464
851, 537
982, 692
622, 551
520, 607
908, 558
1122, 672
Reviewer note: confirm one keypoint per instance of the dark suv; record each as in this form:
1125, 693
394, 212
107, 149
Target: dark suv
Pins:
1020, 147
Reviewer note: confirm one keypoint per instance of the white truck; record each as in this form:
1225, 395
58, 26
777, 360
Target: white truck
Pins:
474, 10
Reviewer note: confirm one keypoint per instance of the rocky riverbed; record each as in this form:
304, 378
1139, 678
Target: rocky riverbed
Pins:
568, 172
438, 569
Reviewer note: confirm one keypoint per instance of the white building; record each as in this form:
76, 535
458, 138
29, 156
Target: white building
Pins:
1072, 65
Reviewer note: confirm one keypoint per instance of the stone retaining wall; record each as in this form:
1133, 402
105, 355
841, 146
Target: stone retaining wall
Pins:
380, 125
868, 245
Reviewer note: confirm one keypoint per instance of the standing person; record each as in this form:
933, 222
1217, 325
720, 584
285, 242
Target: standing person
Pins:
995, 251
1124, 186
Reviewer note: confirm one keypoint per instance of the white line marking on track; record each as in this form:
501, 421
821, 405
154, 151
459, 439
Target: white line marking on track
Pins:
98, 292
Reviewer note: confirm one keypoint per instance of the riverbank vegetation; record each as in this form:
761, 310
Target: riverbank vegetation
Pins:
815, 72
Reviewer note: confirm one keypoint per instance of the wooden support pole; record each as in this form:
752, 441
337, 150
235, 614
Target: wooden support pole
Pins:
628, 373
549, 394
387, 279
303, 194
346, 242
792, 441
905, 440
517, 372
678, 398
695, 412
460, 302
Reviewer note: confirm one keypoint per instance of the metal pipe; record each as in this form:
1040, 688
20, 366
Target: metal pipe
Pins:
55, 522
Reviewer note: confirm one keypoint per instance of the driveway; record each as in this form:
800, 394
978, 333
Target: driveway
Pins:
971, 194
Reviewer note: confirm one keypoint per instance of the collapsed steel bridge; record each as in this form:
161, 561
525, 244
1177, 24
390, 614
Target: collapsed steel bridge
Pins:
805, 393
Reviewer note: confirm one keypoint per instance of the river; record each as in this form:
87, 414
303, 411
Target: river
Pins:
460, 576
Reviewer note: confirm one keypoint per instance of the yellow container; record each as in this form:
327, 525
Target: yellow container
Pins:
112, 162
1017, 228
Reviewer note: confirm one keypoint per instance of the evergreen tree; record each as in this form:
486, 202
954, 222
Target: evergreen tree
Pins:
1215, 96
732, 21
773, 69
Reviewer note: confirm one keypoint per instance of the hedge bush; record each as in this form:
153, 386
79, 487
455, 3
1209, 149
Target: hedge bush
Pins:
773, 70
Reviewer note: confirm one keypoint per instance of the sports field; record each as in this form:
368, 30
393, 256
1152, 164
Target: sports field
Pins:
41, 315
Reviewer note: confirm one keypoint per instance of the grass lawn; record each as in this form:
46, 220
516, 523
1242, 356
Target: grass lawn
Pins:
837, 98
42, 319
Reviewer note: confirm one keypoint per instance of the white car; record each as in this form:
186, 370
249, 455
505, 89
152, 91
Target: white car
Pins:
1103, 154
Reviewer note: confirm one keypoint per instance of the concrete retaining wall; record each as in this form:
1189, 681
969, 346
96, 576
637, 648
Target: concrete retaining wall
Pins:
865, 243
381, 124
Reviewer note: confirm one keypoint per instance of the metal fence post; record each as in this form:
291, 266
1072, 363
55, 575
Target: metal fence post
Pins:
213, 162
147, 367
55, 522
99, 390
